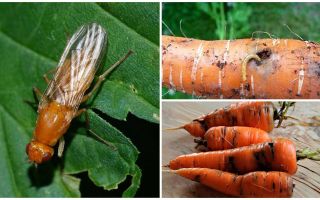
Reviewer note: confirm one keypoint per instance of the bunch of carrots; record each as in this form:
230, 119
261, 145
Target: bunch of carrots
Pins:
241, 158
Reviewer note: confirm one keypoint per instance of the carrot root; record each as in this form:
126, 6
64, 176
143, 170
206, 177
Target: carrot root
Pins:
254, 184
222, 137
216, 69
279, 155
251, 114
173, 129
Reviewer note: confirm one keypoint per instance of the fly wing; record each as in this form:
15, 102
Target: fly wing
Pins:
77, 67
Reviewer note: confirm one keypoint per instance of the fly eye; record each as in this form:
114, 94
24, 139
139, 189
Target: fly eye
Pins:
46, 157
27, 148
38, 152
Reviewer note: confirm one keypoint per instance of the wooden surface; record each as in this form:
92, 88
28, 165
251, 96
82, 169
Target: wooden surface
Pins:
175, 143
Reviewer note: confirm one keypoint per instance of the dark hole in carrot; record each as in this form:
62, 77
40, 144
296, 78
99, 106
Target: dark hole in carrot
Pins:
265, 53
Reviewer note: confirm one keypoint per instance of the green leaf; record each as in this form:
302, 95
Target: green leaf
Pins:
136, 176
132, 15
32, 38
116, 95
108, 160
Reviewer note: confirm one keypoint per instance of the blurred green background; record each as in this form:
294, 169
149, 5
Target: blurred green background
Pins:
217, 21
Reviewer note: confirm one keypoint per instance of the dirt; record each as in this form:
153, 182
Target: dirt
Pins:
265, 53
221, 64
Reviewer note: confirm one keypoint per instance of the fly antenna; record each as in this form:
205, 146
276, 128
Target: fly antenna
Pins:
103, 140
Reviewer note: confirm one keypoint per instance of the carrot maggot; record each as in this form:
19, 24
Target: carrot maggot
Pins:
245, 84
279, 155
244, 65
254, 184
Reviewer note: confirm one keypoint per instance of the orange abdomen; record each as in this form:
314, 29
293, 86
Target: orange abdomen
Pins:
53, 121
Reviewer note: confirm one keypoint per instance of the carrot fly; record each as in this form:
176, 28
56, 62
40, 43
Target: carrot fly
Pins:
67, 90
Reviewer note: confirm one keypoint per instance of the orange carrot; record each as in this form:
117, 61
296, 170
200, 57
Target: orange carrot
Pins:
279, 155
252, 114
244, 68
222, 137
254, 184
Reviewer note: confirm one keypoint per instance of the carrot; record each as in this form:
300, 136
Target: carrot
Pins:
222, 137
254, 184
279, 155
244, 68
252, 114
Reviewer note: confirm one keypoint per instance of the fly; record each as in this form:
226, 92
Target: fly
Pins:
67, 90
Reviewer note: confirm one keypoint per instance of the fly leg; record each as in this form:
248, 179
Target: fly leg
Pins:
103, 140
80, 112
37, 94
45, 76
46, 79
61, 147
83, 110
61, 140
93, 133
103, 76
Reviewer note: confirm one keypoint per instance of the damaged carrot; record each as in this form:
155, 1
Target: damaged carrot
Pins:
252, 114
222, 137
254, 184
243, 68
279, 155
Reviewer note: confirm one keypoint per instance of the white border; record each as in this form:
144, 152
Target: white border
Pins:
160, 1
